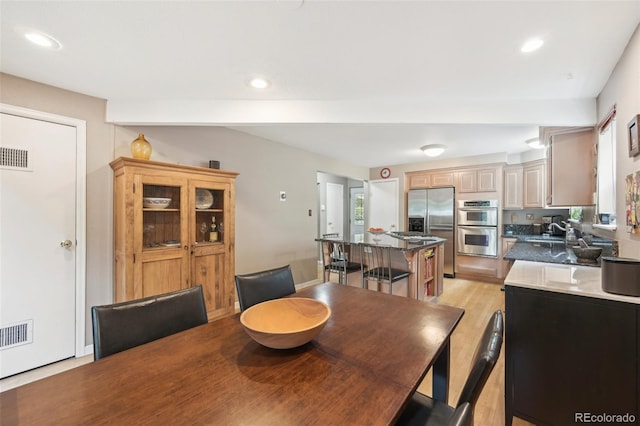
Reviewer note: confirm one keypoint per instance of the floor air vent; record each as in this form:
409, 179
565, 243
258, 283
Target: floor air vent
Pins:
14, 158
16, 334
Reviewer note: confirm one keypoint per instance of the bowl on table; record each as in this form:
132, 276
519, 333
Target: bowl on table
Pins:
155, 202
285, 323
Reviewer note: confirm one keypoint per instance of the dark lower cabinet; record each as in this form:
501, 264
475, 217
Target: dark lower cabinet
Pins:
570, 358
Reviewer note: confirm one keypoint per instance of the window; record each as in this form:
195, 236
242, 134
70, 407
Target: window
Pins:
358, 210
607, 166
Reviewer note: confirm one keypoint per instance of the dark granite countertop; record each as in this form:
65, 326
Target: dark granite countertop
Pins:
397, 241
552, 250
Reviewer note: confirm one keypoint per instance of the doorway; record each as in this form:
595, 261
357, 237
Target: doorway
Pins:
384, 204
42, 248
341, 205
335, 209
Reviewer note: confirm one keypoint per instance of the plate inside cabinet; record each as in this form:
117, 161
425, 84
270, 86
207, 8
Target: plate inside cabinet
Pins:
204, 198
170, 243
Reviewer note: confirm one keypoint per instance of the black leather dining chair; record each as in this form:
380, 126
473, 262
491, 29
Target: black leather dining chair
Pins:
264, 285
423, 410
375, 261
121, 326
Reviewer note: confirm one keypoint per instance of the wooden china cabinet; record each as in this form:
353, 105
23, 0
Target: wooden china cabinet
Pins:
164, 248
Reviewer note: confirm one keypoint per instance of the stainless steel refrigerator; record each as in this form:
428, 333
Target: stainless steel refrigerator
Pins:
431, 212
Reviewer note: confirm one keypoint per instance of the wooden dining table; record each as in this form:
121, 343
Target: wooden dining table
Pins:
361, 369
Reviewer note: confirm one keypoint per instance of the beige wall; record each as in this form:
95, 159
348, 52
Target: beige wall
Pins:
623, 90
28, 94
269, 232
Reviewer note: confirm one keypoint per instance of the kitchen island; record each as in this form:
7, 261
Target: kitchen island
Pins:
572, 350
422, 256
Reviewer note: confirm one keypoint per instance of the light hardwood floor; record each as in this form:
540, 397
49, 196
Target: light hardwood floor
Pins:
478, 299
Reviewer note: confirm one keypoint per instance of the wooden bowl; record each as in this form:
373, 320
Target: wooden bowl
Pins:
285, 323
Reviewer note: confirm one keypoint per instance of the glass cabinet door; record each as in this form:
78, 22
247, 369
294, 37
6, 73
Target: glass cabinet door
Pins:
161, 216
209, 210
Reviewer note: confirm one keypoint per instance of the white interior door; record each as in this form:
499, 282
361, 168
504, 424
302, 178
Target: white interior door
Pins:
384, 202
335, 208
37, 243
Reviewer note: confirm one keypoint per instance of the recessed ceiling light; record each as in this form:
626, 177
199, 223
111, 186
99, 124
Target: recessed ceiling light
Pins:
531, 45
259, 83
534, 143
41, 39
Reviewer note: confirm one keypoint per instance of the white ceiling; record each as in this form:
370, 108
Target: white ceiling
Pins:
369, 82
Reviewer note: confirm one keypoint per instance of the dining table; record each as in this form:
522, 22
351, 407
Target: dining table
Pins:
362, 368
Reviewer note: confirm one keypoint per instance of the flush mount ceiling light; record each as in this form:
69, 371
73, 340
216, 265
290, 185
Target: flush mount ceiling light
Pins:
534, 143
531, 45
40, 39
433, 150
259, 83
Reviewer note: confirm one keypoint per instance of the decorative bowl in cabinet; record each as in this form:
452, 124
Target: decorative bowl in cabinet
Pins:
204, 198
285, 323
155, 202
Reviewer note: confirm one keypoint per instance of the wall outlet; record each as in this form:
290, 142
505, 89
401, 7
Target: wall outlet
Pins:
529, 216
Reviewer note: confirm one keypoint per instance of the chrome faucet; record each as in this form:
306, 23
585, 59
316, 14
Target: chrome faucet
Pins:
570, 235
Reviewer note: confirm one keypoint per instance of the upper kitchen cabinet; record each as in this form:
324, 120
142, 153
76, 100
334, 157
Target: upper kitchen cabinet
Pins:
570, 167
174, 228
477, 180
533, 184
425, 179
512, 187
524, 186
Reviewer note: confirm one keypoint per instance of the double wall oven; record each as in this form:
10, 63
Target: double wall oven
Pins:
478, 228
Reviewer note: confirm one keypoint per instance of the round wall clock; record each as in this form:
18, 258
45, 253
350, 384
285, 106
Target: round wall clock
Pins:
385, 173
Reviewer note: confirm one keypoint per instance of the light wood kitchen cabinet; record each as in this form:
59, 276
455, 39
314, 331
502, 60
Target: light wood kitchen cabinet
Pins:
512, 193
430, 180
430, 273
421, 180
570, 176
478, 267
507, 243
158, 250
524, 186
533, 181
442, 179
477, 180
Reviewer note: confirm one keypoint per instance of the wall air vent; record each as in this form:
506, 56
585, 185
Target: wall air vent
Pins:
17, 334
15, 159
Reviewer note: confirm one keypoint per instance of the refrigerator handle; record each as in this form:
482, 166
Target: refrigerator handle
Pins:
427, 229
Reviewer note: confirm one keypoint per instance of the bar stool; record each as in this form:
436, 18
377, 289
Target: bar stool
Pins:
375, 262
335, 258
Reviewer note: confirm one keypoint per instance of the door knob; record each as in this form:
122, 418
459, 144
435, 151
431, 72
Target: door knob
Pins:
66, 244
